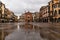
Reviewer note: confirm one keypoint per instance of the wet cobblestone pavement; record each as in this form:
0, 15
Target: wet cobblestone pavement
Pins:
20, 31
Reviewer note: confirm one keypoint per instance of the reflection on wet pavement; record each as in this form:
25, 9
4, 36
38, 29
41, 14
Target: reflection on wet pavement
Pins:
6, 29
26, 31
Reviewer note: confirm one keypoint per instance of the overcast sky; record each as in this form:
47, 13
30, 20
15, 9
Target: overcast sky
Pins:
19, 6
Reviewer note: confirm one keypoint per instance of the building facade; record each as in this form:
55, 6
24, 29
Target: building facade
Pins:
5, 14
28, 17
44, 15
2, 8
36, 17
21, 18
54, 10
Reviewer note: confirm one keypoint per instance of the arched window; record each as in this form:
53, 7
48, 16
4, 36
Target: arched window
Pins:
55, 13
59, 5
55, 6
59, 11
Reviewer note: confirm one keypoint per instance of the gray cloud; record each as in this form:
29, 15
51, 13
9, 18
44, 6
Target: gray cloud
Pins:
19, 6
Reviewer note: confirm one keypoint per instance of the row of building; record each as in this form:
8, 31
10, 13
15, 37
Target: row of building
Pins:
54, 10
6, 15
48, 13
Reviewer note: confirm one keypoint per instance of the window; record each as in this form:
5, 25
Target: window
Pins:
55, 13
0, 6
28, 17
58, 5
55, 6
28, 20
0, 11
0, 15
59, 11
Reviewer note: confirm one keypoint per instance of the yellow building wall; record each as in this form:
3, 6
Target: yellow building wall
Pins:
3, 7
55, 1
